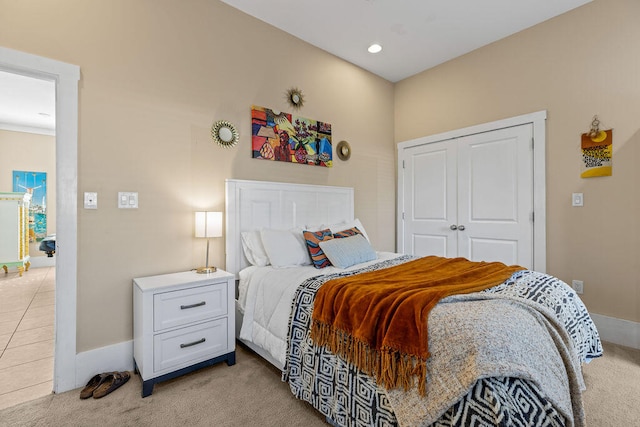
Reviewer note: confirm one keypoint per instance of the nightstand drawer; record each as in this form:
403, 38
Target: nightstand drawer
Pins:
189, 345
177, 308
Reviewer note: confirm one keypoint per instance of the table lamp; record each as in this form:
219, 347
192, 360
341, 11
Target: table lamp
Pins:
208, 224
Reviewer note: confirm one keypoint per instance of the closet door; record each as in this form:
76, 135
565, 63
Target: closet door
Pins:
430, 195
470, 197
495, 196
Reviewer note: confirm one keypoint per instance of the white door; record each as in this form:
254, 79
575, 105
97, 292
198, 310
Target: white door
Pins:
430, 199
471, 197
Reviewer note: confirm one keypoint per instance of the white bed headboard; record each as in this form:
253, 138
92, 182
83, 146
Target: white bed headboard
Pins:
254, 205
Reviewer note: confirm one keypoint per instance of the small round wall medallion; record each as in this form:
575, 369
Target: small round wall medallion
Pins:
343, 150
224, 133
295, 97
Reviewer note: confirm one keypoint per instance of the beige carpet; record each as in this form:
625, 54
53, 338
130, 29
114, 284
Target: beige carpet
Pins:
250, 393
612, 397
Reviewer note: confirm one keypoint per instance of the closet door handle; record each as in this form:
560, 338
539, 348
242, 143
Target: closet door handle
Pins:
453, 227
461, 227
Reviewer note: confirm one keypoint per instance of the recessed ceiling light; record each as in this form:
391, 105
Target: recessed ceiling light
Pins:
374, 48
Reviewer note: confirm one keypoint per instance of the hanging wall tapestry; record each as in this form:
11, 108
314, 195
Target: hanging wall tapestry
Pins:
34, 183
597, 153
284, 137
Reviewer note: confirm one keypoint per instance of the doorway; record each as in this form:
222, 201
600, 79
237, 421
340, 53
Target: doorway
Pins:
471, 197
27, 300
476, 192
66, 77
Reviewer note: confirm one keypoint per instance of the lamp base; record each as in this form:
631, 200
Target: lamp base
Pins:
205, 270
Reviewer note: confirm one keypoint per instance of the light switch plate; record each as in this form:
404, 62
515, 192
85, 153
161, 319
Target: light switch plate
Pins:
577, 199
127, 200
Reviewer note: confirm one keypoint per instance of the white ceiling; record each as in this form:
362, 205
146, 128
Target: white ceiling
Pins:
27, 104
415, 34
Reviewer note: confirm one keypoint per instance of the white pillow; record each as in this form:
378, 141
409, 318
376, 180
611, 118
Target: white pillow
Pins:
348, 251
253, 248
315, 227
335, 228
285, 248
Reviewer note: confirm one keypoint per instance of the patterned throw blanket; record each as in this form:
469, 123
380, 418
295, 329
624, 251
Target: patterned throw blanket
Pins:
539, 396
378, 320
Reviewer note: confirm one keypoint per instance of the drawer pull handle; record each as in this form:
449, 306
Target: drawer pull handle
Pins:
200, 341
198, 304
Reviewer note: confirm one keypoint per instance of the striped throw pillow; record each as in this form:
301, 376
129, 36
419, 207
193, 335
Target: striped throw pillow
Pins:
313, 238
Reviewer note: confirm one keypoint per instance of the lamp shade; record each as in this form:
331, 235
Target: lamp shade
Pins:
208, 224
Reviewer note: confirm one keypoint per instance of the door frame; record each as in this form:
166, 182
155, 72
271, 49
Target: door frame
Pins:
66, 78
538, 121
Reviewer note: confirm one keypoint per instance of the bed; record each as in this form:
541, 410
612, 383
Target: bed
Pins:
508, 355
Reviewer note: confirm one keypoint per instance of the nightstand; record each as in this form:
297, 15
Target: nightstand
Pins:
182, 322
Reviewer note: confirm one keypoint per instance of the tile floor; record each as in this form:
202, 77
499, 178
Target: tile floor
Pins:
26, 334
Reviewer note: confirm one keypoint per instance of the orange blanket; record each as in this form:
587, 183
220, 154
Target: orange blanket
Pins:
378, 320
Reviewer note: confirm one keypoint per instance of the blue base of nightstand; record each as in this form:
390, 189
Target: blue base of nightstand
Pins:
147, 386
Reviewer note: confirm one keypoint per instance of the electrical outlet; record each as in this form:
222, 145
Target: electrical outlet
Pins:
90, 200
578, 286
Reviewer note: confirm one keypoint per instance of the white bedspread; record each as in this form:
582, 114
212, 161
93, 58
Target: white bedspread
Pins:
265, 295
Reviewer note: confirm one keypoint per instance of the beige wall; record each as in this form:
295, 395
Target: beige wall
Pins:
575, 66
155, 75
30, 152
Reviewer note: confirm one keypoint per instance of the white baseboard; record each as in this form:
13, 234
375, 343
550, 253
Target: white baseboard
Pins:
42, 261
116, 357
617, 331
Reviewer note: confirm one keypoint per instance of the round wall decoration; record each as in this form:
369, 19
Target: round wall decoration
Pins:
224, 133
295, 97
343, 150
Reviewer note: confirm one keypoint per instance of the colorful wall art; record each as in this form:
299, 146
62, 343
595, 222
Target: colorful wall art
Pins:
34, 183
284, 137
597, 153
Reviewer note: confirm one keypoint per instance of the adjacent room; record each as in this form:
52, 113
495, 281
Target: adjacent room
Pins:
27, 199
264, 146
